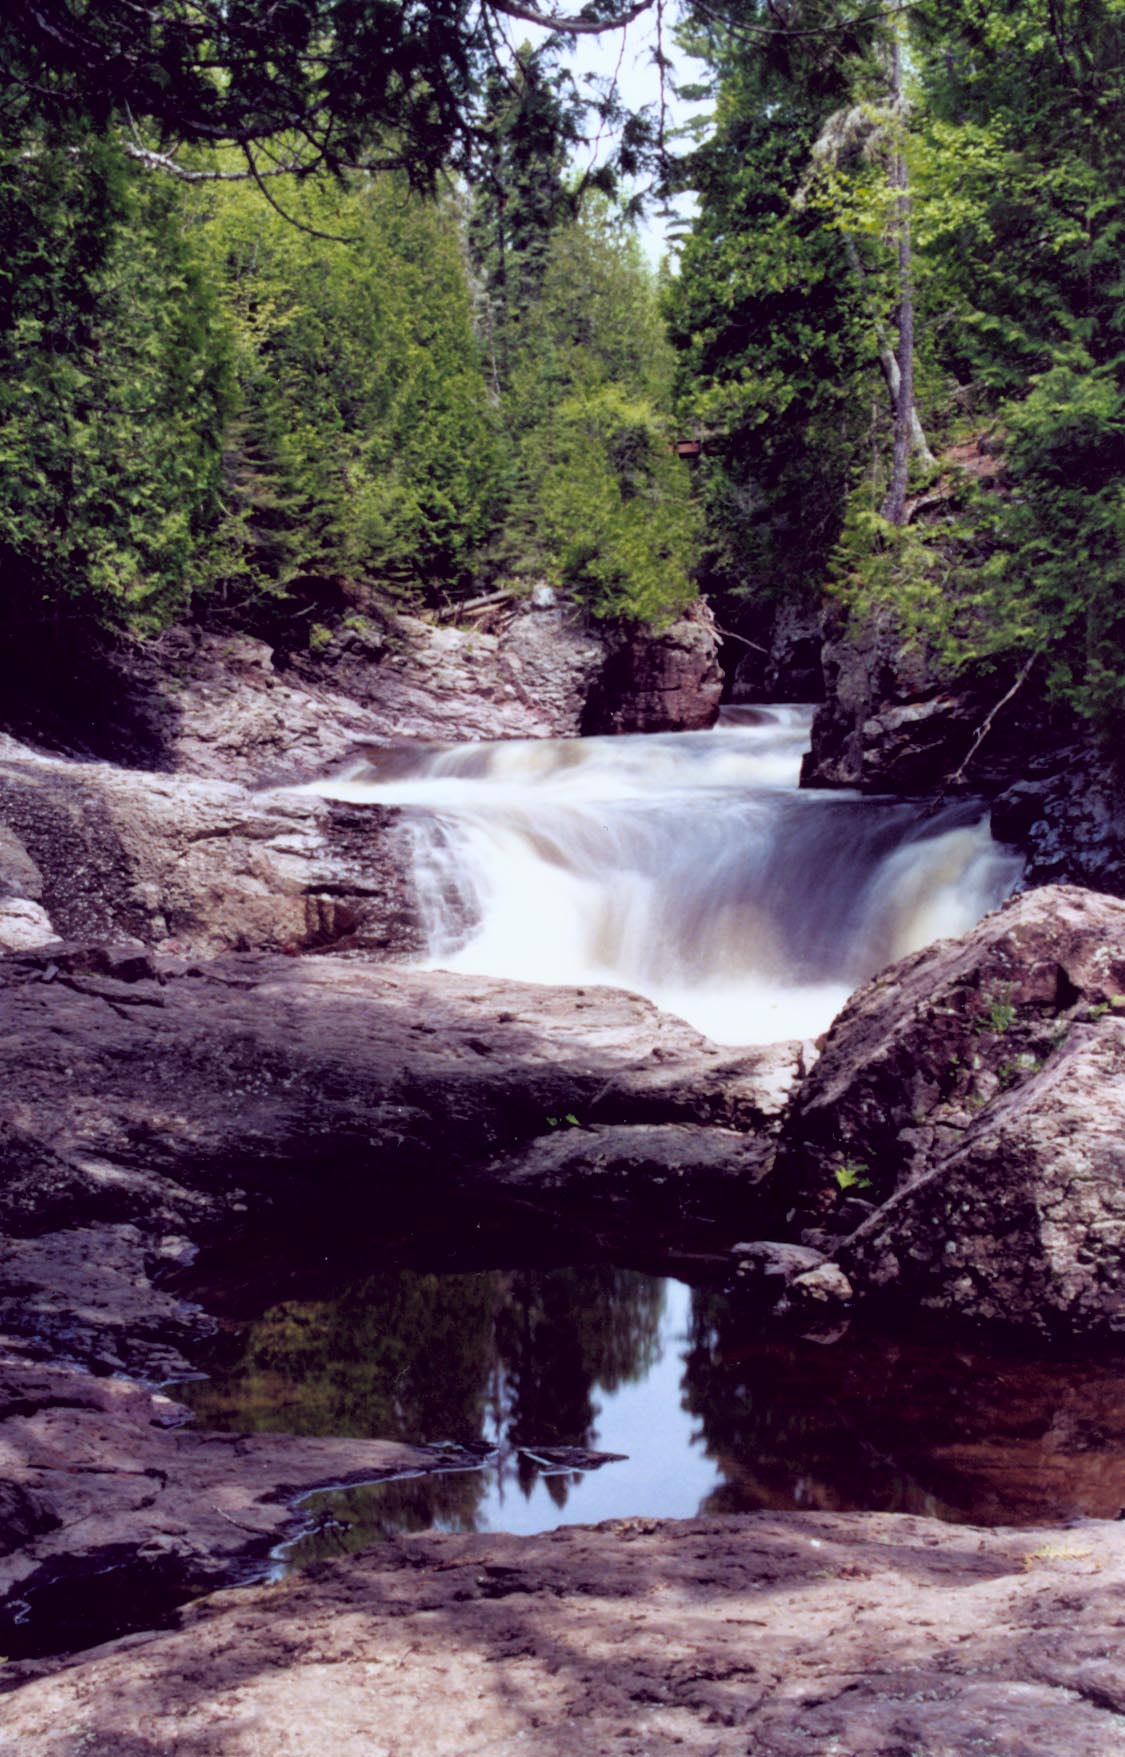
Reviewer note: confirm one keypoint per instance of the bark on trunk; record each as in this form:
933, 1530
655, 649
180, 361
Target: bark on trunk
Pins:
894, 508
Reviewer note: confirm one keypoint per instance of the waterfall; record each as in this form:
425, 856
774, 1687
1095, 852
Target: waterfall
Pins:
687, 866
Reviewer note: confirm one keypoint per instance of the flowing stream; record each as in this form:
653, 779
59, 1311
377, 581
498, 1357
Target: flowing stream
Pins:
691, 868
688, 867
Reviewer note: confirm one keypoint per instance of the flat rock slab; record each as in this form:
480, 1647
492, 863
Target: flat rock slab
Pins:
138, 1091
108, 1505
845, 1635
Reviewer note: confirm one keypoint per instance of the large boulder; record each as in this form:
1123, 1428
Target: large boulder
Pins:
1024, 1224
964, 1128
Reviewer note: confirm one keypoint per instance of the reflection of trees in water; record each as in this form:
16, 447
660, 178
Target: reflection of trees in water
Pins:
557, 1336
919, 1427
511, 1357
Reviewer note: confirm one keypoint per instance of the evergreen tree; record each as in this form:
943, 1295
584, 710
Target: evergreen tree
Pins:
114, 386
774, 330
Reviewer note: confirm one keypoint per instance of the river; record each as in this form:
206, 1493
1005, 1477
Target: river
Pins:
688, 867
693, 869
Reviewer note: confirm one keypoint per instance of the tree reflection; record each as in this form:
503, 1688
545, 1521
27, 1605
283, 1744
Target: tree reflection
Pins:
514, 1359
911, 1426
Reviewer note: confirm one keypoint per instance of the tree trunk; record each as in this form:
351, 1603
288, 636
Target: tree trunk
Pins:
894, 507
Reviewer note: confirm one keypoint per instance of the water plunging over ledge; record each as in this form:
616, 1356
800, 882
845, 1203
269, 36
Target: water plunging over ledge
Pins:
687, 867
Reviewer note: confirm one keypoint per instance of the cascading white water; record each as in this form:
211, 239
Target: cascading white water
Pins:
684, 866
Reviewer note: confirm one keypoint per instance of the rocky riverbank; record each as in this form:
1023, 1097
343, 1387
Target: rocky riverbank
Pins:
182, 1066
892, 719
154, 1105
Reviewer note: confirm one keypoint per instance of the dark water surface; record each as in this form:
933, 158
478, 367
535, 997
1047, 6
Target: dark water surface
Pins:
713, 1416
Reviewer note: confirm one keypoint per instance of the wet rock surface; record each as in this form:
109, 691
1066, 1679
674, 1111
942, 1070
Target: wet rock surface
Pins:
116, 1513
862, 1634
976, 1093
150, 1104
155, 1086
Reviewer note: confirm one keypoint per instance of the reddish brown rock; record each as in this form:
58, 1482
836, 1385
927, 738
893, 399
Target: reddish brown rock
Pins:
194, 866
667, 682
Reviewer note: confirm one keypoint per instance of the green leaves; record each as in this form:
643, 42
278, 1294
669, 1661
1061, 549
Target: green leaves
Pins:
599, 502
115, 383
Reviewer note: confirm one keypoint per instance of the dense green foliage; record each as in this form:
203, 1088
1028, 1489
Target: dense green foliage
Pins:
773, 333
428, 389
206, 403
114, 386
599, 500
364, 445
1014, 142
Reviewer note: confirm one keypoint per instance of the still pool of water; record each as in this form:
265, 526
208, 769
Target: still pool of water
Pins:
712, 1415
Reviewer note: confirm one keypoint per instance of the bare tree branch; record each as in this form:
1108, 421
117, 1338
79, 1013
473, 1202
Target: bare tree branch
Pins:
986, 724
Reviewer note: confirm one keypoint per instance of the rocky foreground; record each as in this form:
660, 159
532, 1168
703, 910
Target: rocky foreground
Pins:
183, 1067
849, 1635
973, 1096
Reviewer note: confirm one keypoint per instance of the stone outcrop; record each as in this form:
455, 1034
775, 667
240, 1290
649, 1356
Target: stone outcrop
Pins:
151, 1105
1068, 816
237, 707
866, 1635
894, 721
121, 1512
144, 1090
960, 1145
89, 850
666, 682
783, 664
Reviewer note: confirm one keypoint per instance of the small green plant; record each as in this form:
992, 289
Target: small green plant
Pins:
1001, 1014
320, 637
1009, 1072
852, 1175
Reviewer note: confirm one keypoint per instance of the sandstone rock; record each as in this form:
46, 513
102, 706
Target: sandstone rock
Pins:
863, 1635
918, 1051
819, 1289
659, 682
660, 1190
